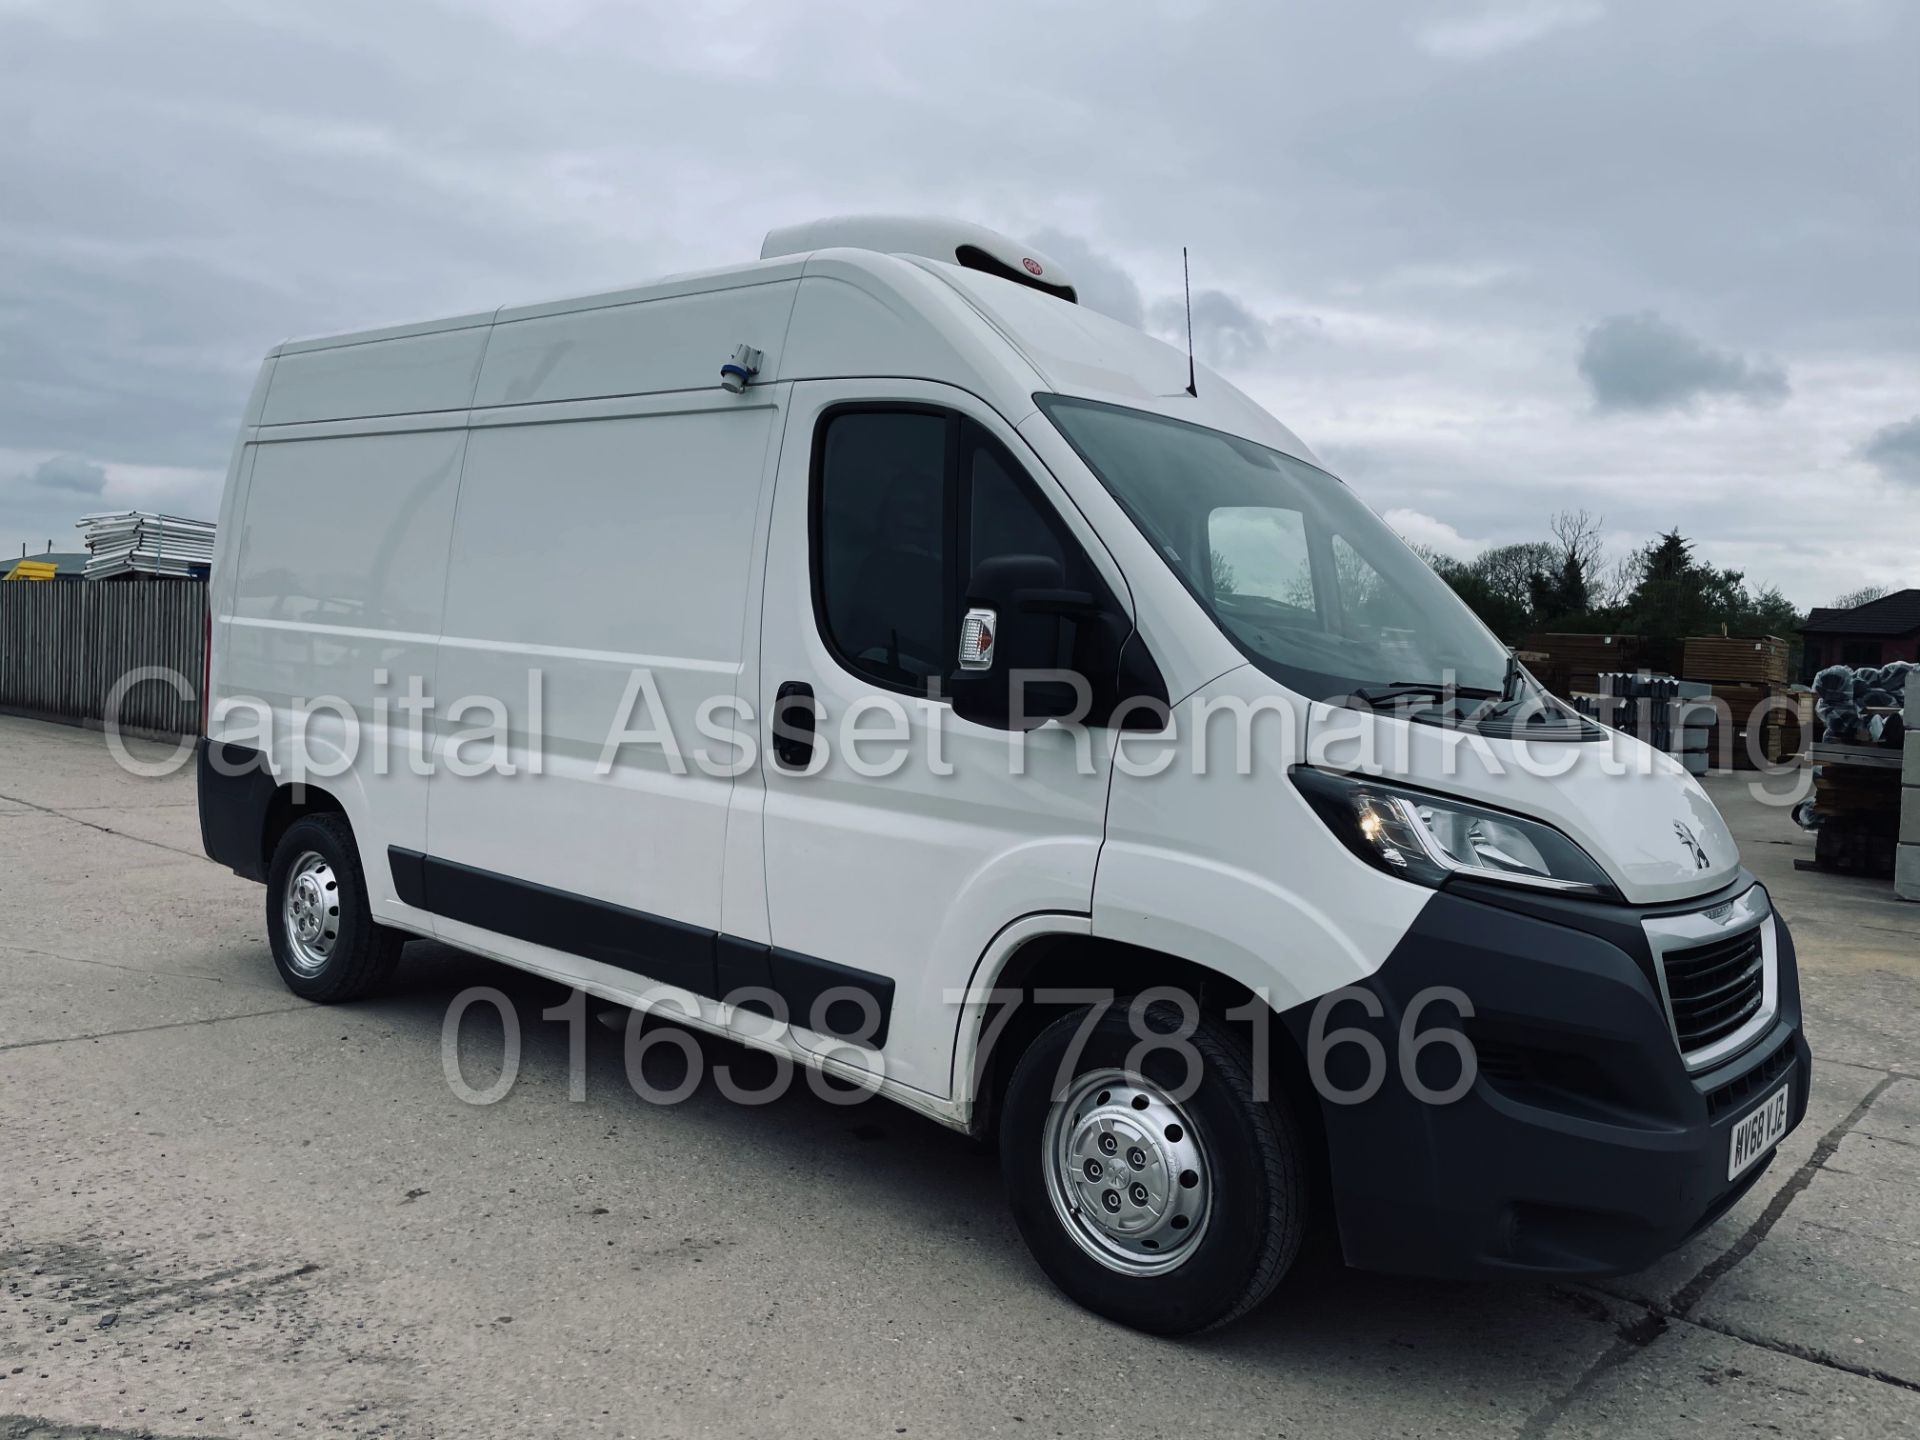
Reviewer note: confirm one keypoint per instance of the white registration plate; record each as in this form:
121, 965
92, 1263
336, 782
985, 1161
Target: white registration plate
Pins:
1758, 1131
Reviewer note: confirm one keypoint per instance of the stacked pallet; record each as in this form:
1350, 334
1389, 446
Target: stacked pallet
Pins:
1762, 727
1788, 726
1575, 663
1856, 808
1906, 862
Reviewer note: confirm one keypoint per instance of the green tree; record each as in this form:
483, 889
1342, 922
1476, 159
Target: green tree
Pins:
1560, 597
1661, 590
1670, 599
1769, 612
1678, 595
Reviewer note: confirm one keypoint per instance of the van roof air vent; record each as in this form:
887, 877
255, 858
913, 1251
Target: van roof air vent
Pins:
954, 241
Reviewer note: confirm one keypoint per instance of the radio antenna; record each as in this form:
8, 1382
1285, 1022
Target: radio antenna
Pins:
1186, 282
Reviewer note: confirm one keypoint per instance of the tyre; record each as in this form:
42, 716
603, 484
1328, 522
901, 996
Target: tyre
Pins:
1167, 1205
325, 944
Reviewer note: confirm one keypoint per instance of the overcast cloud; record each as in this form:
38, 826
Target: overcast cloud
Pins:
1895, 449
68, 475
1640, 362
1489, 258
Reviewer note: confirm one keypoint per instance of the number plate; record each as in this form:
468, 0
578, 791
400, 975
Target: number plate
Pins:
1758, 1131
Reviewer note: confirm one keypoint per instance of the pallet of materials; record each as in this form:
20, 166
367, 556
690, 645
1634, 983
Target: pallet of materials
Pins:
1734, 660
1855, 809
1790, 721
1906, 862
1770, 724
1858, 757
1742, 697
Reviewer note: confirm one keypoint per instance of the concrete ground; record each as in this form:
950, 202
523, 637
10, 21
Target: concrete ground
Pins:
224, 1212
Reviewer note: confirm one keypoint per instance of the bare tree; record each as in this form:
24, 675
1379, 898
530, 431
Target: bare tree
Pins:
1612, 581
1579, 537
1866, 594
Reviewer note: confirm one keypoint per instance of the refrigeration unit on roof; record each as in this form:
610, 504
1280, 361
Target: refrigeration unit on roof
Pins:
973, 247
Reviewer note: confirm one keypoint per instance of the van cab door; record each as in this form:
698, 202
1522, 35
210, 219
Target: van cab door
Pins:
898, 837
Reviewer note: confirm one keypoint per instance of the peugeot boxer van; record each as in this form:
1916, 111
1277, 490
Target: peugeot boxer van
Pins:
874, 656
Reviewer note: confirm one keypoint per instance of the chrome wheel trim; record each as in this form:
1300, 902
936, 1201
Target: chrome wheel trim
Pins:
1127, 1172
310, 913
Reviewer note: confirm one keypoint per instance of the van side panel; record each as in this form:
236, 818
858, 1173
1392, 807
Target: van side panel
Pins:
337, 587
674, 343
605, 562
407, 375
226, 536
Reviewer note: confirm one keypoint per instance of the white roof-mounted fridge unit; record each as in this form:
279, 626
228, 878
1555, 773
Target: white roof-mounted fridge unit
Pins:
973, 247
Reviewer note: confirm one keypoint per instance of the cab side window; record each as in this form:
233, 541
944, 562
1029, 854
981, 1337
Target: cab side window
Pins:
906, 503
881, 570
1003, 519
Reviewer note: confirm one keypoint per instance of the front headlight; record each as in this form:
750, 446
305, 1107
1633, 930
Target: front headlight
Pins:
1428, 839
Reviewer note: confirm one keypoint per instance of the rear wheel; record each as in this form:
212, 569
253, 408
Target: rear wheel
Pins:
325, 943
1169, 1201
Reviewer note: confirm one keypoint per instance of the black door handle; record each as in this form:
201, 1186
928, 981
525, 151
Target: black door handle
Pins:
793, 721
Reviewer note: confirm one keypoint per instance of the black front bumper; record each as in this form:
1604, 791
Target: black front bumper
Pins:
1582, 1145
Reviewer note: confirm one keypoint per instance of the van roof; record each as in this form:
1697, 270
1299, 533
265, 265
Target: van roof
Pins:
859, 313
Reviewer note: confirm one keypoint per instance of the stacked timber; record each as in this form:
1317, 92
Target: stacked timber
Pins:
1575, 663
1748, 675
1788, 726
1735, 660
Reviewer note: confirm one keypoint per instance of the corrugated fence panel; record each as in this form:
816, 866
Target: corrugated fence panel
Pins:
66, 645
42, 636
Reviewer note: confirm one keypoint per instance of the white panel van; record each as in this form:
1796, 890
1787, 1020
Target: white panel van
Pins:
872, 655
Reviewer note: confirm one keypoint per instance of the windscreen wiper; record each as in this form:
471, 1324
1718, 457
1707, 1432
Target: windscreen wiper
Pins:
1377, 695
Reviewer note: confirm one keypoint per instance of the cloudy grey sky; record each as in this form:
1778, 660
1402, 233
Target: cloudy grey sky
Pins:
1656, 258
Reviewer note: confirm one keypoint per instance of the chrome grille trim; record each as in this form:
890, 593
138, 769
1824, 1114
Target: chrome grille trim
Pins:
1726, 921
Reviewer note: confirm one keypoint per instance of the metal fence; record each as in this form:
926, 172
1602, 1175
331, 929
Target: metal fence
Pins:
66, 647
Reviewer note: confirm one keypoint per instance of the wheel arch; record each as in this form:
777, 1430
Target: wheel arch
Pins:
291, 802
1060, 952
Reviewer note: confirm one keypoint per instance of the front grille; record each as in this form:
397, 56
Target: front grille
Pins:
1736, 1093
1714, 989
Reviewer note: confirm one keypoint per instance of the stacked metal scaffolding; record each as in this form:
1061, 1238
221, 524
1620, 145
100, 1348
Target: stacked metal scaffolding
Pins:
133, 542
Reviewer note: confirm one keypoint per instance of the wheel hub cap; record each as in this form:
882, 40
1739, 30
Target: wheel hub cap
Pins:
311, 913
1127, 1172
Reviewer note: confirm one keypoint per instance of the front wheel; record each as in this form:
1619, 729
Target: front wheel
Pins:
1170, 1197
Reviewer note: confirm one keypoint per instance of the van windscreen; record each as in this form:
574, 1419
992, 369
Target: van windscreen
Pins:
1310, 584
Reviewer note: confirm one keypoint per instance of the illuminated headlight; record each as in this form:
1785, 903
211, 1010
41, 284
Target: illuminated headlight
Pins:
1427, 839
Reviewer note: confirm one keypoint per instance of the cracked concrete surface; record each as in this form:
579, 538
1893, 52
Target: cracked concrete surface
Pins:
227, 1213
